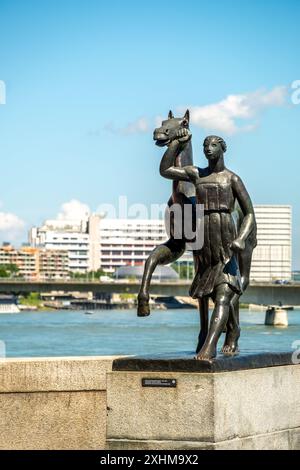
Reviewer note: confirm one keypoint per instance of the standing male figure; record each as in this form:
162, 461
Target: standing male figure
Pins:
217, 262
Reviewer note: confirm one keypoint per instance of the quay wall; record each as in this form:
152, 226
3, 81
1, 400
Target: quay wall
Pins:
53, 403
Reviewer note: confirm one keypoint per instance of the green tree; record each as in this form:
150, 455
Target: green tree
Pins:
8, 270
33, 299
89, 275
185, 269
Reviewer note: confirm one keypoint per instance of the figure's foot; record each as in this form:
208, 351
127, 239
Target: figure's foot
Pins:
207, 354
201, 341
231, 346
143, 308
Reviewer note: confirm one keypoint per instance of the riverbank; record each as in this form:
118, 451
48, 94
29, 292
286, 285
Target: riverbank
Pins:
126, 301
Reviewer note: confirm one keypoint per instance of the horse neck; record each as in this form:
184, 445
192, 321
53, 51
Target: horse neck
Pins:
184, 158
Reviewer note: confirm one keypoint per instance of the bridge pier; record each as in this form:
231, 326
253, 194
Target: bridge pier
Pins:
276, 317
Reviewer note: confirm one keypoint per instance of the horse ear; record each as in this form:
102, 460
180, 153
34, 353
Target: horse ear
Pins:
170, 115
187, 115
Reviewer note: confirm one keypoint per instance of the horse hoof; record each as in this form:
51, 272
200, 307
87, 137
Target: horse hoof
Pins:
143, 309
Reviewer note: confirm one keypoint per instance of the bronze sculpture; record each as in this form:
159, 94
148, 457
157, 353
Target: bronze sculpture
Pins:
182, 193
223, 263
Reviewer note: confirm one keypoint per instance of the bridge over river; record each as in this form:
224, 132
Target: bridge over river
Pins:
257, 293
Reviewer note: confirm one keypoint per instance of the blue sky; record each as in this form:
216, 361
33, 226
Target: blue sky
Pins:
86, 81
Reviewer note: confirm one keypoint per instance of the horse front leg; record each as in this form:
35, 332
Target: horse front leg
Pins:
163, 254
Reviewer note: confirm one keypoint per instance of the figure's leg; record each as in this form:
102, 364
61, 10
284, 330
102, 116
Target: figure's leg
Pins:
163, 254
222, 297
233, 328
203, 310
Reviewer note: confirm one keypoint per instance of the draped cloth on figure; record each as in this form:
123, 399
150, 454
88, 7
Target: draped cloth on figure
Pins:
215, 262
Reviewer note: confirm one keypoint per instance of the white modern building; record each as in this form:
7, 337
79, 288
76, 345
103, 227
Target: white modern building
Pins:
73, 237
272, 258
128, 241
110, 243
99, 242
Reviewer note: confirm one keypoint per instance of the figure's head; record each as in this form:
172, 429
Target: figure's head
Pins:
214, 147
167, 132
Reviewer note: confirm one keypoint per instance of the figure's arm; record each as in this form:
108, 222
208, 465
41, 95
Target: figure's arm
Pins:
248, 223
167, 168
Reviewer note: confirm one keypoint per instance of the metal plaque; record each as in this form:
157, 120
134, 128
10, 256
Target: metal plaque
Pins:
171, 383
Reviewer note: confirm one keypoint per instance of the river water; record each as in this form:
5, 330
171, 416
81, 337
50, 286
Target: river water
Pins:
114, 332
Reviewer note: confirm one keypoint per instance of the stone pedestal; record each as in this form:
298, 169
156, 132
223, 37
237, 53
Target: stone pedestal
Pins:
245, 402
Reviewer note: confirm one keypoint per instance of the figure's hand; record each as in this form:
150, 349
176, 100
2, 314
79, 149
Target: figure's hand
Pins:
237, 245
183, 135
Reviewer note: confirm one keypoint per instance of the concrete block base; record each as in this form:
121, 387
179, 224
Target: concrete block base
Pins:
223, 406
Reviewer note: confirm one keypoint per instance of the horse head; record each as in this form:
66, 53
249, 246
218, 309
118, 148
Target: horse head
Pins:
168, 131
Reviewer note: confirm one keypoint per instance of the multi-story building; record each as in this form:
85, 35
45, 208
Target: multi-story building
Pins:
36, 264
26, 259
272, 258
128, 241
99, 242
80, 239
94, 253
53, 264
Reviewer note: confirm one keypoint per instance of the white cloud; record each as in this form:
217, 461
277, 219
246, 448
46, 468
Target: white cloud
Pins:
138, 126
74, 210
233, 114
224, 116
2, 92
11, 226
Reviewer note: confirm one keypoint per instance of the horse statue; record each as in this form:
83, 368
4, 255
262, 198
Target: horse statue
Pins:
183, 193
